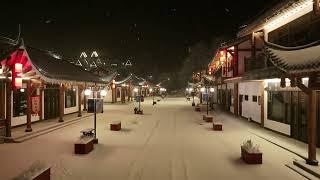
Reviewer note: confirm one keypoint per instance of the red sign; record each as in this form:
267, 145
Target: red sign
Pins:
35, 105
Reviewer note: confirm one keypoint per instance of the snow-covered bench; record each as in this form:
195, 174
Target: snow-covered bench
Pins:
87, 132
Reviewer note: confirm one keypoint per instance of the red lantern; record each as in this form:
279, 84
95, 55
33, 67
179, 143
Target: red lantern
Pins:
18, 82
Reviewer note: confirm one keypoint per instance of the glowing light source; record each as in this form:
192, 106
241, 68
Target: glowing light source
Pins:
203, 89
87, 92
135, 90
18, 82
211, 89
150, 89
103, 93
18, 67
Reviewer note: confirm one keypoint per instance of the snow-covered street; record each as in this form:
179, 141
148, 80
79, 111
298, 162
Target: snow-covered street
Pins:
170, 141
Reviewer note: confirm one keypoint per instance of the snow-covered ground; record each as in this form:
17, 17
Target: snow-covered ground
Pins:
170, 141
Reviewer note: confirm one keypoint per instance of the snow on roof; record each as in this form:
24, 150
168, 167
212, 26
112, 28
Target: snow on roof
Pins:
293, 60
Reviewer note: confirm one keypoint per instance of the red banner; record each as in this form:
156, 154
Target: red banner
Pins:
35, 105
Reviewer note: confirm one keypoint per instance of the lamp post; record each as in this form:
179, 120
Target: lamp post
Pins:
151, 90
211, 91
192, 94
87, 92
205, 89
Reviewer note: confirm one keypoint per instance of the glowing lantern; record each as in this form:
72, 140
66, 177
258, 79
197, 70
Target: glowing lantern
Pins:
103, 93
18, 68
87, 92
18, 83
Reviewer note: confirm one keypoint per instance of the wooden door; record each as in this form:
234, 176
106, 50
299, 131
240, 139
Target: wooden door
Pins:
51, 103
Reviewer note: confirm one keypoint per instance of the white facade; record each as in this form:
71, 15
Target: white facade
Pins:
251, 109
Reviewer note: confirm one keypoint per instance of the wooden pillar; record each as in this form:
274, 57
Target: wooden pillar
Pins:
80, 90
316, 8
262, 103
29, 94
312, 128
236, 99
129, 93
61, 103
235, 61
8, 108
253, 46
123, 95
41, 104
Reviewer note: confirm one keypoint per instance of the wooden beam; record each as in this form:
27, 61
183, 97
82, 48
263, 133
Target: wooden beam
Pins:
61, 103
236, 99
41, 104
8, 108
80, 90
262, 103
29, 94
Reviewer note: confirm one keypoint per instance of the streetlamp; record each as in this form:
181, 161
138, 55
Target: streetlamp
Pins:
88, 92
211, 91
137, 111
153, 102
192, 94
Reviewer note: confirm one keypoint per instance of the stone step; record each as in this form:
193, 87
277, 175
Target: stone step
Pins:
301, 172
47, 130
314, 170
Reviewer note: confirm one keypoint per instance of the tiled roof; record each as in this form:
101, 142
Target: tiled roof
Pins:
53, 67
295, 60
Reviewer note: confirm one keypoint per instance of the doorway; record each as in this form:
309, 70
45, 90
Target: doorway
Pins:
240, 104
51, 103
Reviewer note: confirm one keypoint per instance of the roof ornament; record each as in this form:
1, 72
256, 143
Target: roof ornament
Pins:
83, 54
94, 54
93, 64
128, 63
78, 63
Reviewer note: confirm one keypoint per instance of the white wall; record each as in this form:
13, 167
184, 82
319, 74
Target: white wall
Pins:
108, 97
276, 126
250, 109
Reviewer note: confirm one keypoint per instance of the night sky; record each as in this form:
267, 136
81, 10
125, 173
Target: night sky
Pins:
155, 35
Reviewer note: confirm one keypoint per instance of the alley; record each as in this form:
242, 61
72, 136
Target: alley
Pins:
170, 141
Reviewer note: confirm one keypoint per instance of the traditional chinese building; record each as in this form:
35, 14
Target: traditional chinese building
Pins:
37, 85
269, 73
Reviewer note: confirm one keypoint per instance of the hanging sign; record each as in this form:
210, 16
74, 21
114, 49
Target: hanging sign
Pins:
35, 105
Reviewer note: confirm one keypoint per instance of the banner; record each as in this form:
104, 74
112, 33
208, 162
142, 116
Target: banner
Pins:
35, 105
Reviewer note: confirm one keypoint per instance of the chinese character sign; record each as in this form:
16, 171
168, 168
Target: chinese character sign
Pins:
35, 105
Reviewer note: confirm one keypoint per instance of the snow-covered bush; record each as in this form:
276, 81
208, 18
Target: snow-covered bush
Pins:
250, 147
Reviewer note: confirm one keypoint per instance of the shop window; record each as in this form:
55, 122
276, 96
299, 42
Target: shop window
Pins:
254, 98
246, 98
279, 106
19, 103
70, 98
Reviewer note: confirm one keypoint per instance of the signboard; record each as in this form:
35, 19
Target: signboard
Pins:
205, 97
35, 105
99, 105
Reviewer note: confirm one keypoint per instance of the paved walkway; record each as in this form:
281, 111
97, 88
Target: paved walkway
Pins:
170, 141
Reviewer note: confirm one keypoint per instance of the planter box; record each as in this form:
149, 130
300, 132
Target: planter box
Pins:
251, 158
208, 118
41, 173
115, 126
197, 109
217, 126
83, 146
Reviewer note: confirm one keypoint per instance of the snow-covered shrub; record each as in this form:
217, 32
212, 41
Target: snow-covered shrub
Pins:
250, 147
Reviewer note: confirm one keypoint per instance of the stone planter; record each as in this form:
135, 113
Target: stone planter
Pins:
115, 126
35, 172
83, 146
197, 109
217, 126
251, 158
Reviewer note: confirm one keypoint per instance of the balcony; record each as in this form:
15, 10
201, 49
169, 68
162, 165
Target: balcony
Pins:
253, 63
